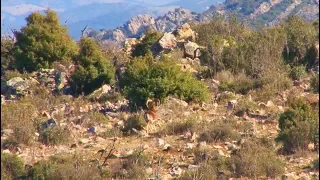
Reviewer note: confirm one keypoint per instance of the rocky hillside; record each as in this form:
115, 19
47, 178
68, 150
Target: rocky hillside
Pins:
258, 12
136, 26
269, 12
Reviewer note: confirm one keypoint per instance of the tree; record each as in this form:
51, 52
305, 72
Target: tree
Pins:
93, 68
42, 42
301, 35
145, 78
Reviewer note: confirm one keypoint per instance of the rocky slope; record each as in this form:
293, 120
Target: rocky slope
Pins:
260, 12
136, 26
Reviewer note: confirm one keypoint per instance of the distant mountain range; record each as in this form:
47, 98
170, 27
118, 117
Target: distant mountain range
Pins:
255, 12
120, 19
97, 14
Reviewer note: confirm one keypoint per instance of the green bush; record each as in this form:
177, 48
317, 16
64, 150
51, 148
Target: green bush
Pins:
297, 72
256, 159
12, 167
301, 35
93, 69
144, 47
298, 126
145, 79
42, 42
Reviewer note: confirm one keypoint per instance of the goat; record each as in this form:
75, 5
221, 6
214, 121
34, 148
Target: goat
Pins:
151, 114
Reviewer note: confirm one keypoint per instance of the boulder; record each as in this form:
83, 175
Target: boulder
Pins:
185, 33
192, 50
168, 41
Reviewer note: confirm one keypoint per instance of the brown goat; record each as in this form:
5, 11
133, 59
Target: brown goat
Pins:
151, 114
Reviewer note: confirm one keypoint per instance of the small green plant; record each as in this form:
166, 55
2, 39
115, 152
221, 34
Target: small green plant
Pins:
11, 166
297, 72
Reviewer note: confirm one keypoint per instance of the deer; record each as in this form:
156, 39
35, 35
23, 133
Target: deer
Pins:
150, 115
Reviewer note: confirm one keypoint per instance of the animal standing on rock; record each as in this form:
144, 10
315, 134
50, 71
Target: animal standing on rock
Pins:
151, 114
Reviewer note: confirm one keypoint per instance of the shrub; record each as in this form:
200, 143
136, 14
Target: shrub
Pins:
179, 127
135, 121
245, 106
215, 166
297, 72
239, 83
18, 116
255, 159
93, 69
64, 167
42, 42
298, 126
55, 136
218, 131
145, 79
135, 166
144, 47
11, 166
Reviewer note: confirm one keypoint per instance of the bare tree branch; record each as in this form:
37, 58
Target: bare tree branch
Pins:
83, 30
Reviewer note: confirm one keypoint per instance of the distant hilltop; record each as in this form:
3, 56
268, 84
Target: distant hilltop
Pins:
258, 12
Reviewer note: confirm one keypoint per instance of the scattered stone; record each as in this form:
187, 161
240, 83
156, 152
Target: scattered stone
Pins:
48, 124
192, 50
189, 146
159, 142
166, 147
175, 171
84, 141
193, 167
91, 130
